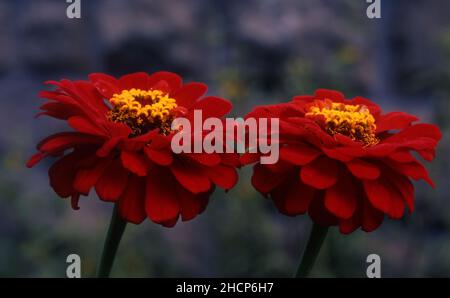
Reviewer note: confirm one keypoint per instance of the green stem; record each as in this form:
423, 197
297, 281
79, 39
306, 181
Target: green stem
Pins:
315, 241
115, 232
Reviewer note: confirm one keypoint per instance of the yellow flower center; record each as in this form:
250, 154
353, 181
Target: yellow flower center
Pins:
354, 121
143, 110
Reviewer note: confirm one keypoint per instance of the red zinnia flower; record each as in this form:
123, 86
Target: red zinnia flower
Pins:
121, 145
343, 161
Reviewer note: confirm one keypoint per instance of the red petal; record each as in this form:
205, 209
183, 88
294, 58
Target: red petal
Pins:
230, 159
132, 202
322, 173
161, 203
169, 223
319, 214
188, 94
381, 150
347, 226
338, 153
173, 80
65, 140
374, 109
108, 146
329, 94
298, 154
135, 163
394, 120
59, 97
90, 99
306, 129
113, 182
264, 180
415, 131
222, 176
304, 98
415, 170
283, 110
60, 110
342, 198
138, 80
363, 169
159, 141
161, 157
36, 158
293, 197
428, 154
106, 85
82, 124
402, 156
75, 198
62, 173
418, 144
207, 159
404, 186
249, 158
116, 129
280, 167
347, 142
385, 197
85, 179
371, 218
191, 205
191, 177
213, 107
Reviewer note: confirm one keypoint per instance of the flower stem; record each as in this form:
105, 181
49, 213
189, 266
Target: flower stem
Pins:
312, 250
115, 232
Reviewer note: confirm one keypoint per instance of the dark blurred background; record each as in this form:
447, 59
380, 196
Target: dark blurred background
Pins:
251, 52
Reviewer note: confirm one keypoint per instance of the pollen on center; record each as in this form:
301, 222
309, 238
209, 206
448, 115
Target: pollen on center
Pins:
143, 110
354, 121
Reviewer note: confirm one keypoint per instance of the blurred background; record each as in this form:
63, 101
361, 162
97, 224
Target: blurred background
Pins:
251, 52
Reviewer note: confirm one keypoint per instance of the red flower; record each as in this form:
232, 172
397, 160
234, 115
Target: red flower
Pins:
121, 145
343, 161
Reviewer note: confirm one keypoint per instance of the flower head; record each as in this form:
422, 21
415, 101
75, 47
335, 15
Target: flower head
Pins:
143, 110
344, 161
354, 121
120, 145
